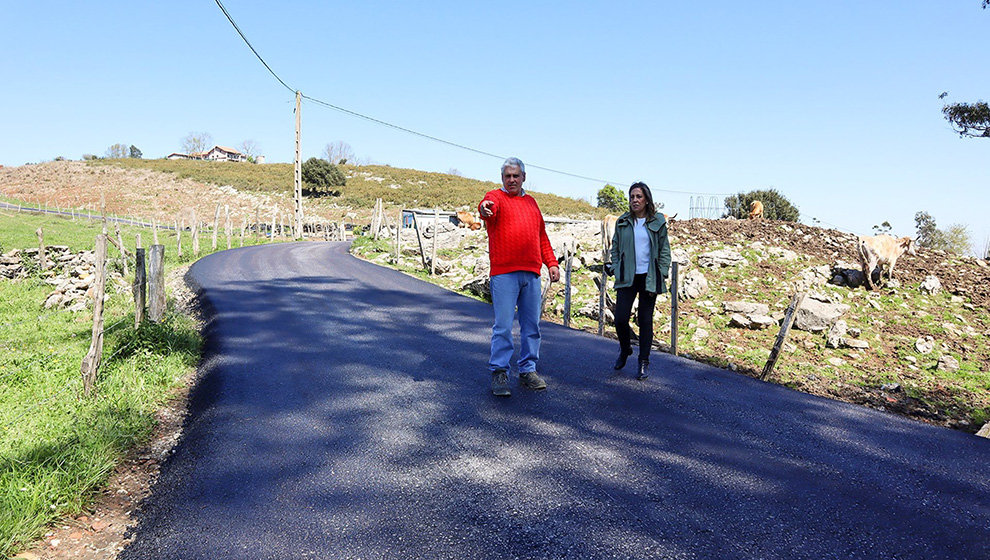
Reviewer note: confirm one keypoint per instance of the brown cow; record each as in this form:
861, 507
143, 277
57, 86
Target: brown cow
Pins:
467, 219
756, 210
882, 250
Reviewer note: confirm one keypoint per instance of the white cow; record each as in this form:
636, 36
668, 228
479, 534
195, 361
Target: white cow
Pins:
882, 250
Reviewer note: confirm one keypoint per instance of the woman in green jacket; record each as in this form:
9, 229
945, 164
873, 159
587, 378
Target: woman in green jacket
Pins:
640, 261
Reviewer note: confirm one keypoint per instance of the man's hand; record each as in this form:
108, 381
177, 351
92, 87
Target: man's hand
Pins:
609, 270
486, 208
555, 274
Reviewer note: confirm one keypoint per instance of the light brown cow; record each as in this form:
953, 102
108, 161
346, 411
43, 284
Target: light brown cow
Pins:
608, 232
882, 250
467, 219
756, 210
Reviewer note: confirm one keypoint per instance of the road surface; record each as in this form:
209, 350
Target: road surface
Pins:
344, 412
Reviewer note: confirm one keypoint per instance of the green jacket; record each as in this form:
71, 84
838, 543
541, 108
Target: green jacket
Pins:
624, 253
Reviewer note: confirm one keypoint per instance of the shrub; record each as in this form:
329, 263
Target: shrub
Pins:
775, 205
612, 199
320, 177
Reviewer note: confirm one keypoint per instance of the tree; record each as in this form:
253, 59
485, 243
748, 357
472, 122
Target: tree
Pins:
116, 151
612, 199
249, 148
197, 142
885, 227
135, 152
927, 230
320, 177
969, 120
955, 239
338, 152
775, 205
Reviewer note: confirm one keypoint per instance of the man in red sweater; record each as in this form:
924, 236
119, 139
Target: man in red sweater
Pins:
518, 247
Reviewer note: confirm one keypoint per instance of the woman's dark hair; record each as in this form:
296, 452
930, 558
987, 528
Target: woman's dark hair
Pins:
651, 209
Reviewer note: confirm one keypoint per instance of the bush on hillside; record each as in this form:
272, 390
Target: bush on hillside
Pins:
612, 199
321, 178
775, 205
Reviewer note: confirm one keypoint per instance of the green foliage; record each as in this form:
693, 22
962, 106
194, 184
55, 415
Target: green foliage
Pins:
612, 199
322, 177
971, 120
955, 239
885, 227
134, 152
775, 205
57, 447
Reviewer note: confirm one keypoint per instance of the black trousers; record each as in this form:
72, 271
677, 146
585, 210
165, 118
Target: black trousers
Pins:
623, 309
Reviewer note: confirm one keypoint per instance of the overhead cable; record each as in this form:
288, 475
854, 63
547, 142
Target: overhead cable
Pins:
420, 134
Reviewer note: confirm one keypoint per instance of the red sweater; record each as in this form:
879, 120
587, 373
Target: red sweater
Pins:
517, 235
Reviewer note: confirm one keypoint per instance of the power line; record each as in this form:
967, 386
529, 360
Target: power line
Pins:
421, 134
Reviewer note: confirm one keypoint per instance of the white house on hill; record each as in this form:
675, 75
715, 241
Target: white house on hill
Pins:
216, 153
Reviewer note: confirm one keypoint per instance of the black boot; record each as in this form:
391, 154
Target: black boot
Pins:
643, 364
620, 362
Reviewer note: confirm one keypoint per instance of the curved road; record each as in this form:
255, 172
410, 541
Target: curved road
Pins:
344, 412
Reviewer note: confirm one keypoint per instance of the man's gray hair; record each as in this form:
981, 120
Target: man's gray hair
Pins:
514, 162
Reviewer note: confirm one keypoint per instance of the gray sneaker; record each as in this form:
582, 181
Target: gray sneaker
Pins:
500, 384
532, 380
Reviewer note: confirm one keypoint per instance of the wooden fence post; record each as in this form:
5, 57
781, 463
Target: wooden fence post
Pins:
243, 227
140, 286
673, 307
42, 257
154, 231
195, 234
785, 327
91, 363
226, 224
156, 284
567, 286
216, 221
398, 238
436, 233
601, 291
274, 216
120, 245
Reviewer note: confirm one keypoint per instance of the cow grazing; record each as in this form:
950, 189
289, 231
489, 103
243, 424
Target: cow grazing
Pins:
608, 232
670, 219
467, 219
756, 210
882, 250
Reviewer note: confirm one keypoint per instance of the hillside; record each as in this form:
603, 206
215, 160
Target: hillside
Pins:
163, 189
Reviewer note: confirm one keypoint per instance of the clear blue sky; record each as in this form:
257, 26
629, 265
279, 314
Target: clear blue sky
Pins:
834, 104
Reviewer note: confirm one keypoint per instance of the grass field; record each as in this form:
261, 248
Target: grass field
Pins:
395, 186
57, 446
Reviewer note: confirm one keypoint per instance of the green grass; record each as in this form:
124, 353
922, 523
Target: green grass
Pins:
407, 188
58, 446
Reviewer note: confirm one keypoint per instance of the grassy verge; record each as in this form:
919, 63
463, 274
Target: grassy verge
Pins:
57, 446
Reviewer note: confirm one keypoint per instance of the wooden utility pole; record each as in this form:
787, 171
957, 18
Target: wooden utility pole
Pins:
567, 286
298, 190
436, 233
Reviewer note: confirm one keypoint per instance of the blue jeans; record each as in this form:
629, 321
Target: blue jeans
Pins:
512, 290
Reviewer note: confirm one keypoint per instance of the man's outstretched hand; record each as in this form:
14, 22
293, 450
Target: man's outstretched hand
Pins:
485, 209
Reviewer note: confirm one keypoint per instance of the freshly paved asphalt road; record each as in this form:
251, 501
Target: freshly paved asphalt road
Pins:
344, 412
